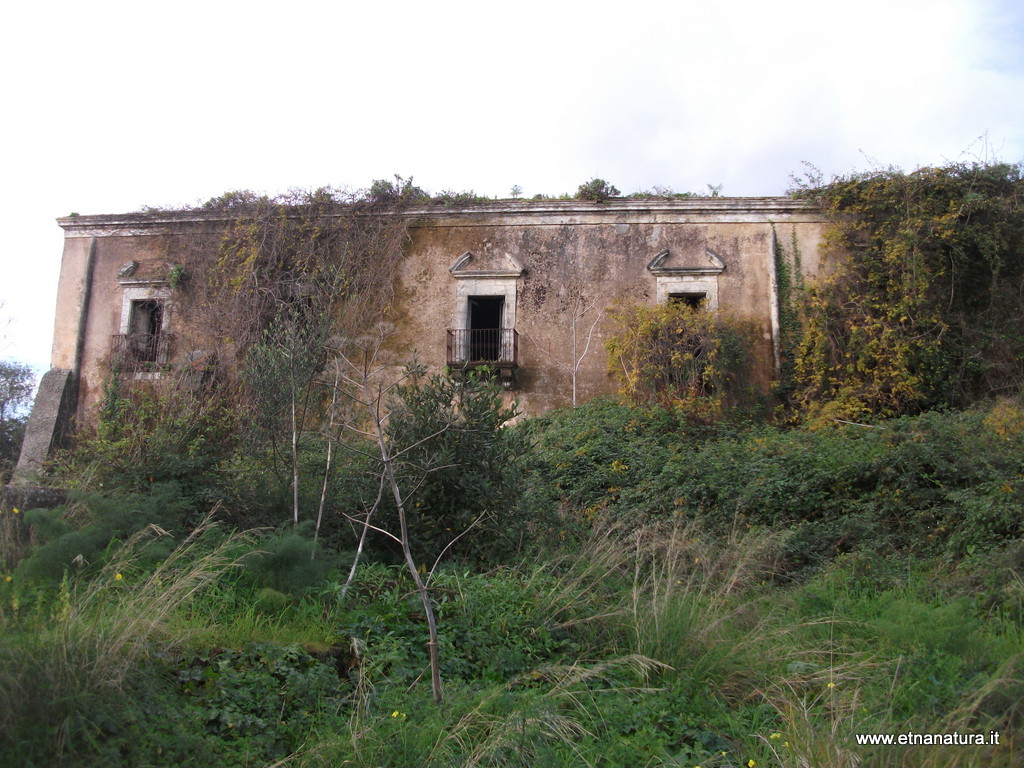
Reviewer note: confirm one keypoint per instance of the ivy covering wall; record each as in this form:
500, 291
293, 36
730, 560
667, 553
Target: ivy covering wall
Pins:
925, 307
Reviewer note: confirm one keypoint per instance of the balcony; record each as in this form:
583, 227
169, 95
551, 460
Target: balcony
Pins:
140, 352
496, 348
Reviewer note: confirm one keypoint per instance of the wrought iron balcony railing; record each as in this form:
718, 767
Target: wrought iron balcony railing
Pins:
134, 352
491, 346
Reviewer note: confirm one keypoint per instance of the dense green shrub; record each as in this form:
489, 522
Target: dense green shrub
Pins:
457, 466
904, 485
253, 485
289, 561
149, 434
583, 460
81, 536
939, 483
597, 190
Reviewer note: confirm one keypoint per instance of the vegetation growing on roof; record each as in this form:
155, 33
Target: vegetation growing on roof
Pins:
597, 190
403, 191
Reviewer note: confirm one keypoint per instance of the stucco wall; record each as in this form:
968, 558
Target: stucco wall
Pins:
96, 249
596, 255
569, 252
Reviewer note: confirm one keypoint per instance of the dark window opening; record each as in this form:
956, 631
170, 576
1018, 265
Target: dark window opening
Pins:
145, 329
485, 322
147, 317
692, 300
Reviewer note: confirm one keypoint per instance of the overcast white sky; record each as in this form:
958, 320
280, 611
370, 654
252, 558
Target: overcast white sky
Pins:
112, 106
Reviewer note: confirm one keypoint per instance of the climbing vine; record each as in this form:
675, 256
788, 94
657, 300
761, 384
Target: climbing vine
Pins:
318, 260
283, 284
925, 308
790, 288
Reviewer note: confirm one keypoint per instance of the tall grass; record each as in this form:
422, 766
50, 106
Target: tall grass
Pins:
14, 537
693, 599
665, 645
63, 670
890, 659
797, 671
819, 728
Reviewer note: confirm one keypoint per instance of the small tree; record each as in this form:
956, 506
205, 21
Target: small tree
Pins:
398, 191
461, 466
282, 374
578, 310
17, 383
442, 460
283, 276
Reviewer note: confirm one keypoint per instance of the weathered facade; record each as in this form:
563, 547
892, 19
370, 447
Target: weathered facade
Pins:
520, 285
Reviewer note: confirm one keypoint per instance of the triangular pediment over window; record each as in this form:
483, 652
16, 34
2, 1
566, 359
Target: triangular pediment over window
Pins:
474, 265
671, 263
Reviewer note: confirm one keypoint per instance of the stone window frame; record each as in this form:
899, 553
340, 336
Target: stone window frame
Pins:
687, 279
133, 291
500, 281
485, 282
144, 290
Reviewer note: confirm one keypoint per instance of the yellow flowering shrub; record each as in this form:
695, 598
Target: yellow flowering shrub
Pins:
688, 359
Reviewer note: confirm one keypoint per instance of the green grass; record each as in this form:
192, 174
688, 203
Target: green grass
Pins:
664, 646
645, 637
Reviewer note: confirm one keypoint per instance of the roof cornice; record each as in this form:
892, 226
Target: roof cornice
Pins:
505, 212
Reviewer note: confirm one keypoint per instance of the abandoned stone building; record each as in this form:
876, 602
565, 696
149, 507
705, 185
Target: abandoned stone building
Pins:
519, 285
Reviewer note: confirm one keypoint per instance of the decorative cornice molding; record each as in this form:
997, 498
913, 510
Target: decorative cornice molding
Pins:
657, 266
159, 282
622, 210
458, 269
